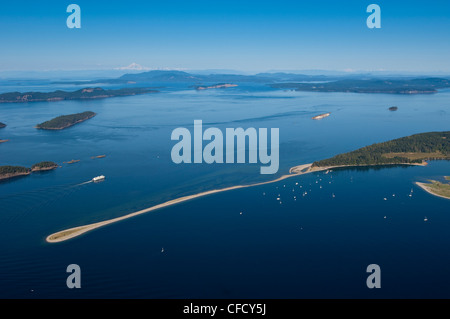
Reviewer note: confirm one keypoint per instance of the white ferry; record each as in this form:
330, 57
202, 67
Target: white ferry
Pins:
98, 178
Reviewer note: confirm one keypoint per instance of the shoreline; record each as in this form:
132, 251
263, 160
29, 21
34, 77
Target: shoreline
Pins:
8, 176
299, 170
34, 170
428, 190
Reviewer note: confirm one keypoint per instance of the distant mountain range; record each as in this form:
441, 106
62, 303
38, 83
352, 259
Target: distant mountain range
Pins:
139, 83
185, 77
300, 82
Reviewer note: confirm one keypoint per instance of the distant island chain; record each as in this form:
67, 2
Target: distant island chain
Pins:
7, 172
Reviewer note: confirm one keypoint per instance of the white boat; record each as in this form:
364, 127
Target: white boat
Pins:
98, 178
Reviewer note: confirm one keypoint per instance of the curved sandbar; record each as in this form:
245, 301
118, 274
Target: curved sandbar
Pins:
77, 231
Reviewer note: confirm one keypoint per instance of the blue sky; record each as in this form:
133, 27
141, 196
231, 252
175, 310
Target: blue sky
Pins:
243, 35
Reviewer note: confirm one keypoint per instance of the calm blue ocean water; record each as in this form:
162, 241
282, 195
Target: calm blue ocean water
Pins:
315, 245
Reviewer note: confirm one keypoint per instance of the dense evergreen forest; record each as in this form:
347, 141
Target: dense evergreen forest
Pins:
44, 165
4, 170
9, 171
411, 149
64, 121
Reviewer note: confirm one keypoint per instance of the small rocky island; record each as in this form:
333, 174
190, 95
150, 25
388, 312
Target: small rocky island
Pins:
321, 116
393, 108
217, 86
83, 94
8, 171
65, 121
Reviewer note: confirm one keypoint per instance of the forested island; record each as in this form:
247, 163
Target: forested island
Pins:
8, 171
412, 149
408, 86
13, 171
65, 121
86, 93
44, 166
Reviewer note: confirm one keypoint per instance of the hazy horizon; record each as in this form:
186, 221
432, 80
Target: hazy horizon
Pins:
115, 72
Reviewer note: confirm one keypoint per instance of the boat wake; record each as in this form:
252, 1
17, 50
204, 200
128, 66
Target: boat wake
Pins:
83, 183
